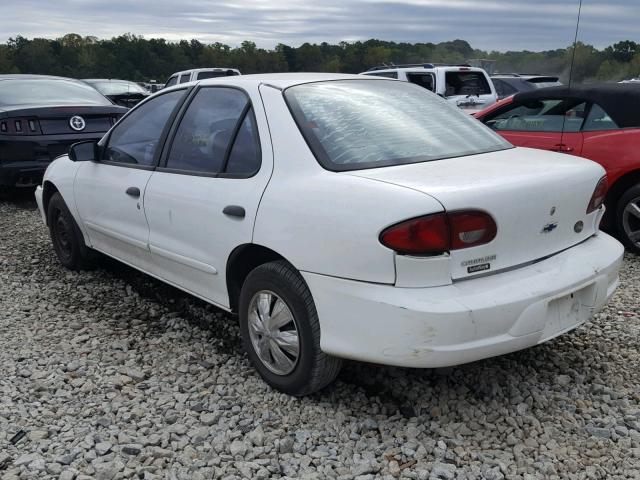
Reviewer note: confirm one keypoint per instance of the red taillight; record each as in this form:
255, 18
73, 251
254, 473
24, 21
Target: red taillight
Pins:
438, 233
597, 199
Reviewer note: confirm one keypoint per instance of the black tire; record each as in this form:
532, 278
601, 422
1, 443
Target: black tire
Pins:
626, 222
314, 369
67, 239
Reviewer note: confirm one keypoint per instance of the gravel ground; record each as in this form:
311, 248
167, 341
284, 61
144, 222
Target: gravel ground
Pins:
114, 375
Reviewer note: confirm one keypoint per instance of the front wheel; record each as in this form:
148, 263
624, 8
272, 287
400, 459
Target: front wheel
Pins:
66, 237
280, 330
628, 219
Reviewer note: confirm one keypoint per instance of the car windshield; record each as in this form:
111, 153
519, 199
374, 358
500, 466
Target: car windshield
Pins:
48, 92
356, 124
118, 88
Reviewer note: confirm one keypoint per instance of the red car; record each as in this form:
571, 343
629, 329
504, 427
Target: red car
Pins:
599, 122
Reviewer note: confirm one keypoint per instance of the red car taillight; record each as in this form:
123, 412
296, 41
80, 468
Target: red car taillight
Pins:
440, 232
597, 199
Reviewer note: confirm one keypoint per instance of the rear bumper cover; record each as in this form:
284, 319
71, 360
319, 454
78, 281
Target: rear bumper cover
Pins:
468, 320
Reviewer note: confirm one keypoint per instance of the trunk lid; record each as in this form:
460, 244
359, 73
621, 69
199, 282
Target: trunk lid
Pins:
57, 119
535, 197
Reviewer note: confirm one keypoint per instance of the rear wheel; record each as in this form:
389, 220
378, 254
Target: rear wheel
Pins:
66, 237
281, 332
628, 218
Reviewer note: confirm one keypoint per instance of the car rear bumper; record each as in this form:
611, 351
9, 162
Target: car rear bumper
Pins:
470, 319
24, 159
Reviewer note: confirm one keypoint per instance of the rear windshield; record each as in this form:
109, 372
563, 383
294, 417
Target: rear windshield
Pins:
356, 124
466, 83
118, 88
49, 92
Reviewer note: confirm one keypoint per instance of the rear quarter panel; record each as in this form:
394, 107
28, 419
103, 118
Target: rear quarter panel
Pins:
618, 151
326, 222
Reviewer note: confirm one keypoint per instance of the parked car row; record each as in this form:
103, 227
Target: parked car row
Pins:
347, 216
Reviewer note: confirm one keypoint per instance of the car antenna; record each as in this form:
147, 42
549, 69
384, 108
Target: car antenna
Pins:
573, 57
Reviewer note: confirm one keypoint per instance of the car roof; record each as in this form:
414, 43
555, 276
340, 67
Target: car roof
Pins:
106, 80
621, 101
28, 76
429, 68
282, 80
210, 69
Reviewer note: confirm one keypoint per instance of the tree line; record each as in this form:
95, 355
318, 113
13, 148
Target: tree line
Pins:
136, 58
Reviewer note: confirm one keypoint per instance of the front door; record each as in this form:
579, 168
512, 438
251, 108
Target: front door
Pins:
110, 193
202, 201
545, 124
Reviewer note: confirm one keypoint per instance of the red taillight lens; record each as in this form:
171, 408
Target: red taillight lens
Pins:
438, 233
597, 199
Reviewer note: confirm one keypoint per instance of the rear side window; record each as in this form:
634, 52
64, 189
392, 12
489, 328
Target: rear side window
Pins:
423, 79
134, 139
245, 155
184, 78
172, 81
598, 120
357, 124
215, 117
466, 83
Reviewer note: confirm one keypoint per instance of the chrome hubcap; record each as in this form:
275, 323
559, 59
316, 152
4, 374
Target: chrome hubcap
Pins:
631, 220
273, 332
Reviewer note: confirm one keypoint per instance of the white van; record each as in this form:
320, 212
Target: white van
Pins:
468, 87
200, 74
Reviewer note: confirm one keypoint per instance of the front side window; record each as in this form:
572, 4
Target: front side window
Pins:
551, 115
184, 78
423, 79
466, 83
208, 127
135, 139
171, 82
356, 124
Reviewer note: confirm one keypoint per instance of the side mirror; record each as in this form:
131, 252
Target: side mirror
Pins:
86, 151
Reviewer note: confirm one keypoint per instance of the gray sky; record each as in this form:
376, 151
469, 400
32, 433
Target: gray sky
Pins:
486, 24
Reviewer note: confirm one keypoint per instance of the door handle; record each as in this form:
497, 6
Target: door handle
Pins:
563, 147
133, 191
234, 211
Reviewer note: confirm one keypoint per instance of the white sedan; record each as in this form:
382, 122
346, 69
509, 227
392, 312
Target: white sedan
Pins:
340, 217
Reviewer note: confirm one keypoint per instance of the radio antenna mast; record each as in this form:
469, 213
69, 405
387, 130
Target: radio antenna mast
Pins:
573, 57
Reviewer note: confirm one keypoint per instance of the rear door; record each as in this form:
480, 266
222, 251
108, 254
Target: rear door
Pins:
110, 193
540, 124
202, 201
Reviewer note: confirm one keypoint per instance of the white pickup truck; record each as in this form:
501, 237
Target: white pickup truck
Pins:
468, 87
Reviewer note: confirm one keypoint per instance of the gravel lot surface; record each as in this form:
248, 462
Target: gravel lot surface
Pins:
114, 375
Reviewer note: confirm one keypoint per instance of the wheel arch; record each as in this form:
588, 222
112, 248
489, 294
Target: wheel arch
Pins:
242, 260
621, 185
48, 190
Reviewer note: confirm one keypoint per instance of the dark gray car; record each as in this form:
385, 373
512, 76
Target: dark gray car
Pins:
508, 84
